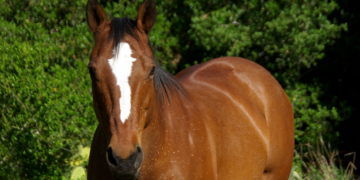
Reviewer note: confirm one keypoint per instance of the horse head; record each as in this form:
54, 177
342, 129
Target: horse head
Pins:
122, 71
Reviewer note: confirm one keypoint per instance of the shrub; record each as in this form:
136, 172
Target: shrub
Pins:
45, 94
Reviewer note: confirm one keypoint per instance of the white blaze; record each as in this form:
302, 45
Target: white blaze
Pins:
121, 66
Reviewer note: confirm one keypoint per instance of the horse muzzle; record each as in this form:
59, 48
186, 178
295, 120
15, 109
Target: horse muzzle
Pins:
125, 169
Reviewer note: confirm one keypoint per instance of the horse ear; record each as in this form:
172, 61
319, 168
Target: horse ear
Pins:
146, 16
95, 16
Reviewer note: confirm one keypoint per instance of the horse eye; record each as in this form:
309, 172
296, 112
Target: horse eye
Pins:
152, 71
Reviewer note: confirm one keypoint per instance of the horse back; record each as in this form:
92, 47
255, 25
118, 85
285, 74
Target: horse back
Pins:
248, 115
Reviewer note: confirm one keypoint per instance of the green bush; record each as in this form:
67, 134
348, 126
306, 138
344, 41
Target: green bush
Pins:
286, 37
45, 93
311, 117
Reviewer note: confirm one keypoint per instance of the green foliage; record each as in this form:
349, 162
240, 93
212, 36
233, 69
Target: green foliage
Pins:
45, 93
79, 163
78, 173
283, 36
311, 118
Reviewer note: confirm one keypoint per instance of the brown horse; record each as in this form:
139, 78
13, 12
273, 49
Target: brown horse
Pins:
224, 119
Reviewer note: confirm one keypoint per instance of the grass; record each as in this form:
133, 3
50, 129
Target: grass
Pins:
319, 162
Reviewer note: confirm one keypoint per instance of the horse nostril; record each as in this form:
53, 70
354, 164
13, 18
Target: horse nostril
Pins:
111, 156
138, 158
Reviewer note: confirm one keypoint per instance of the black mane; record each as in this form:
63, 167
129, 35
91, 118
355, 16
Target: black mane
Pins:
165, 84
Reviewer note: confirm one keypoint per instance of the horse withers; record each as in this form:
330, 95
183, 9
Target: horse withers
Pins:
227, 118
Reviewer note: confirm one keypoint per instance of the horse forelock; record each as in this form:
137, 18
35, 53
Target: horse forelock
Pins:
121, 27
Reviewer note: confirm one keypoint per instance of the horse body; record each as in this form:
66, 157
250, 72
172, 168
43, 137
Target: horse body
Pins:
236, 124
249, 117
224, 119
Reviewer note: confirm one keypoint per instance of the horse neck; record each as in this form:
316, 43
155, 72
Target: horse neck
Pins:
172, 120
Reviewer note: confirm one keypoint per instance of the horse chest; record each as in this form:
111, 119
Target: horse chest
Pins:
178, 168
180, 157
